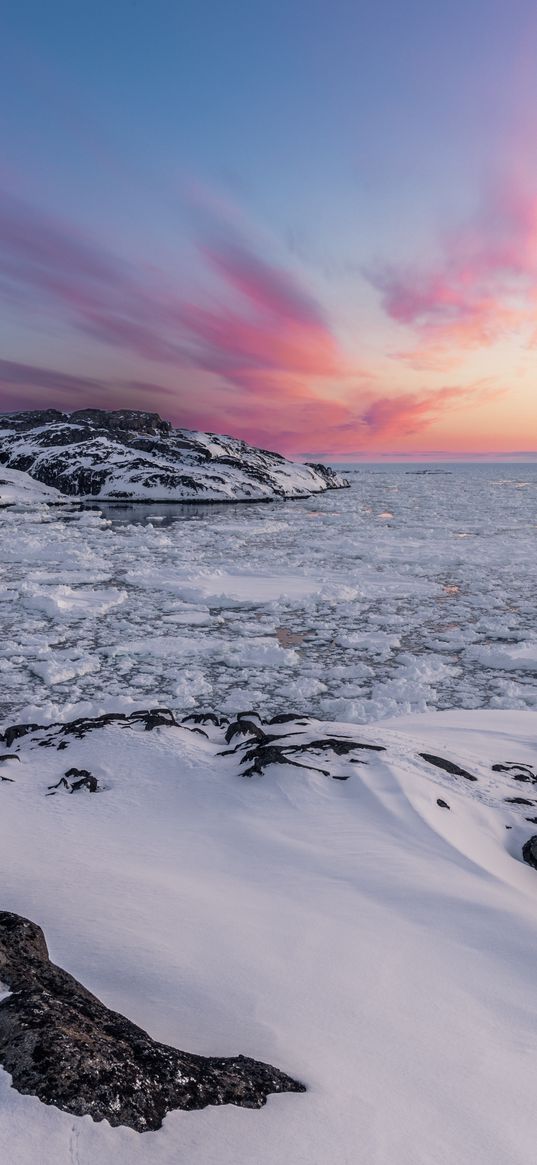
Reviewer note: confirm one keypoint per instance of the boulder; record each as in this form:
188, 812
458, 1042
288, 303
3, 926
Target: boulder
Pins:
61, 1044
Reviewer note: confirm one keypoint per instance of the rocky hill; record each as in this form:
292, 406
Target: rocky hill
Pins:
93, 453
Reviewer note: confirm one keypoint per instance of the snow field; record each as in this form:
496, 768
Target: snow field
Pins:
351, 932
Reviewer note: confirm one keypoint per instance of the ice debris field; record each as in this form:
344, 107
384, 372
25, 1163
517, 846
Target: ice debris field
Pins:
413, 590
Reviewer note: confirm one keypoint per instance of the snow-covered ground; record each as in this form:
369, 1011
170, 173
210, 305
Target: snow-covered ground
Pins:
18, 488
374, 944
412, 590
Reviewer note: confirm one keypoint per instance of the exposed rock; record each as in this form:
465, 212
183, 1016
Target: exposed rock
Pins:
205, 718
263, 755
15, 731
288, 717
257, 757
95, 454
442, 804
529, 851
60, 1043
447, 765
519, 801
74, 780
244, 727
51, 734
519, 772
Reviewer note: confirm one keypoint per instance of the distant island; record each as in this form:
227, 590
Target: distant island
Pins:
137, 456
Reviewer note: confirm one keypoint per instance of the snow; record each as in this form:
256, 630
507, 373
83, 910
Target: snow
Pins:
19, 489
65, 602
226, 589
350, 931
63, 666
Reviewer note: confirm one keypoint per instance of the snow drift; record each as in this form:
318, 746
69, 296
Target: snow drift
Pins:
361, 917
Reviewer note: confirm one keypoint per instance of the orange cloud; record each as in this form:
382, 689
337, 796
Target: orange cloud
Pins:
410, 413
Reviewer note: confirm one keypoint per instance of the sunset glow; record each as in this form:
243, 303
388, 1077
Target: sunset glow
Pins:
284, 269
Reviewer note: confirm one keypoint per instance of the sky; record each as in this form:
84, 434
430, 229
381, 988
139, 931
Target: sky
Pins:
311, 224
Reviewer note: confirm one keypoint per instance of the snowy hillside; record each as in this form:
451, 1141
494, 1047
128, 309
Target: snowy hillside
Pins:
136, 455
18, 488
364, 921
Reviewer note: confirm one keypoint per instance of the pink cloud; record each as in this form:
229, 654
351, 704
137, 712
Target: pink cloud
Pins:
264, 338
267, 321
410, 413
482, 287
277, 372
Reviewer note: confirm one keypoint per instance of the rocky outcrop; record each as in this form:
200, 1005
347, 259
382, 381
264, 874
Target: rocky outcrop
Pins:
137, 456
529, 851
448, 766
60, 1043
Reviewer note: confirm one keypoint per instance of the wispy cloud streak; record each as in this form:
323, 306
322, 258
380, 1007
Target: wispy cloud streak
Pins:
482, 287
259, 345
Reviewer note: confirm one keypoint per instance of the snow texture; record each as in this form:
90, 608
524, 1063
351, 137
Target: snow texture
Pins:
335, 919
19, 489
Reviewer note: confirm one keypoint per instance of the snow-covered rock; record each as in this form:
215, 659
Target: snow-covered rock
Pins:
136, 455
19, 489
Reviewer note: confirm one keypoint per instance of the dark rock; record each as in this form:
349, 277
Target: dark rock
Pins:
337, 745
244, 727
532, 819
263, 755
287, 718
61, 1044
519, 801
265, 751
16, 731
447, 765
154, 718
205, 718
325, 471
442, 804
529, 851
74, 780
54, 733
519, 772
